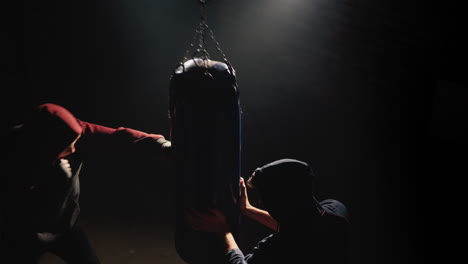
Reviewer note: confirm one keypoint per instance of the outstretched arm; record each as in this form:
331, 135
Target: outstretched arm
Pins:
257, 214
98, 139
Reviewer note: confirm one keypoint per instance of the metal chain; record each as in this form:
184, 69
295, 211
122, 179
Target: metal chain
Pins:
200, 38
218, 46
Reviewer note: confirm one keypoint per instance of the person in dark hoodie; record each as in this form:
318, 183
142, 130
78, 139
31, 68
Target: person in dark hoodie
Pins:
40, 187
305, 230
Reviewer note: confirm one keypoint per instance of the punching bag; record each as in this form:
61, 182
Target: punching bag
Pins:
205, 120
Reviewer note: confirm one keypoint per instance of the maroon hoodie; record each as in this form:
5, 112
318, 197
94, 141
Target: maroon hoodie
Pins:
40, 194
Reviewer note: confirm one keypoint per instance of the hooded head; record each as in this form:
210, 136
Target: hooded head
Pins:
285, 187
51, 129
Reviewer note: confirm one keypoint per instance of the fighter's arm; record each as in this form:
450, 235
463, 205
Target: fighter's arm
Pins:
257, 214
98, 139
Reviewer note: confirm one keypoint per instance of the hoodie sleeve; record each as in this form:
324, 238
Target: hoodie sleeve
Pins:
99, 140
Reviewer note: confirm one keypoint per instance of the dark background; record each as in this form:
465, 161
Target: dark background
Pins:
364, 91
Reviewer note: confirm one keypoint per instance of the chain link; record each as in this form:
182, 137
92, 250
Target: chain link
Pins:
200, 39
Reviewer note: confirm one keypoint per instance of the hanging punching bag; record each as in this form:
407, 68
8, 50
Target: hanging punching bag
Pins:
205, 133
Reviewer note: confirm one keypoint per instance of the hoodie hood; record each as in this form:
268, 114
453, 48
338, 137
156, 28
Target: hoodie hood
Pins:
286, 188
50, 129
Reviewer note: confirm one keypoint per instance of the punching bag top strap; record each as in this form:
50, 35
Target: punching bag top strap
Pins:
198, 69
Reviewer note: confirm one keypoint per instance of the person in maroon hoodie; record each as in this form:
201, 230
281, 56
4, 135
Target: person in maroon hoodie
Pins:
40, 188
